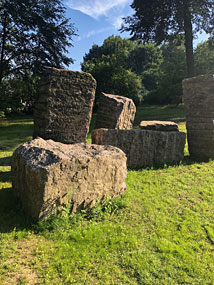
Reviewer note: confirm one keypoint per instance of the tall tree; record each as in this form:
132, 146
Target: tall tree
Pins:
109, 65
33, 34
158, 20
145, 60
204, 58
172, 72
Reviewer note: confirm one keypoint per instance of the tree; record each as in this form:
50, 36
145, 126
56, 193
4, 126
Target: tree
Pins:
110, 66
172, 72
18, 94
33, 34
158, 20
145, 60
204, 58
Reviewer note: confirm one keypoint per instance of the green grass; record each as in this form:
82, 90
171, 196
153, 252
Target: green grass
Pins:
168, 112
160, 232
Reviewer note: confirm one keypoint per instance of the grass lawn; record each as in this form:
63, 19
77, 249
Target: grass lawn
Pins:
160, 232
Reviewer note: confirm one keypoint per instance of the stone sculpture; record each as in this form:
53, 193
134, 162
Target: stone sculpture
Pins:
143, 147
115, 112
198, 97
163, 126
47, 174
64, 108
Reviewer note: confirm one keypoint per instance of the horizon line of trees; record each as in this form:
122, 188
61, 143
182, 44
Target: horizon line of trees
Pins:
145, 72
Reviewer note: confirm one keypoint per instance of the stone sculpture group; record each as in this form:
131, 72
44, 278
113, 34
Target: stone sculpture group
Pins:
58, 166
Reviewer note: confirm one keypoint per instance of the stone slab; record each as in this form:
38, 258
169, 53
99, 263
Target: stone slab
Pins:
165, 126
143, 147
47, 174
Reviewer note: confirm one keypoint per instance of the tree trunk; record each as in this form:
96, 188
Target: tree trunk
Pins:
189, 42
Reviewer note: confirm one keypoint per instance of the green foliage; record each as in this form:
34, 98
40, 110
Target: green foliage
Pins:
109, 64
145, 60
204, 58
18, 94
33, 34
171, 73
161, 20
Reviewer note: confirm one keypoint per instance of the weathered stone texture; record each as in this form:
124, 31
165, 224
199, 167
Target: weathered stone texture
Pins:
165, 126
64, 108
115, 112
142, 147
46, 174
198, 96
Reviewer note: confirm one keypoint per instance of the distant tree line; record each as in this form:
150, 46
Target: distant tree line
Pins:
145, 72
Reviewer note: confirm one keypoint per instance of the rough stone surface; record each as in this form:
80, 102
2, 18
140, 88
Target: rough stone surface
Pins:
165, 126
46, 174
115, 112
198, 97
142, 147
64, 108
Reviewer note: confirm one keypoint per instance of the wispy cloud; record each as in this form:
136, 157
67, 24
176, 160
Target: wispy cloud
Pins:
117, 22
93, 33
95, 8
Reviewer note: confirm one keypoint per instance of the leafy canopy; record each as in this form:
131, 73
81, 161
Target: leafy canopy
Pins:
33, 34
158, 20
172, 72
122, 67
204, 58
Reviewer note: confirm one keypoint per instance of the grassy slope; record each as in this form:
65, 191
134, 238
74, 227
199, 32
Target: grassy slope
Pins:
160, 232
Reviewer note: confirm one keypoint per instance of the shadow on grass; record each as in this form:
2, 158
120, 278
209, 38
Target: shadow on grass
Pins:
11, 214
11, 136
5, 176
186, 161
5, 161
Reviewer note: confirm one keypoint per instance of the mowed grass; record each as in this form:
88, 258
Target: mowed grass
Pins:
160, 232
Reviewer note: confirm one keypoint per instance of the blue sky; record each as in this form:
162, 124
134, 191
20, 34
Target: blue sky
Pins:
95, 21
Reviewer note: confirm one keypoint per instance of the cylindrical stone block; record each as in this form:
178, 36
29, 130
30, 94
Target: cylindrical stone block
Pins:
198, 96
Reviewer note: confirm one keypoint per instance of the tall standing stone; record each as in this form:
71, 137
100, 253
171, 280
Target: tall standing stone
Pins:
115, 112
64, 108
198, 95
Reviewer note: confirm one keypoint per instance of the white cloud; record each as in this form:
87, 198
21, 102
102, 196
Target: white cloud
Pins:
95, 8
93, 32
117, 22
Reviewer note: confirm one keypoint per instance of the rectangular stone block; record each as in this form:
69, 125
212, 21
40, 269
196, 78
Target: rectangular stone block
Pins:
47, 174
64, 108
165, 126
143, 147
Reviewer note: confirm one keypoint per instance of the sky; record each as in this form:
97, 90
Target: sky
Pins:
95, 20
